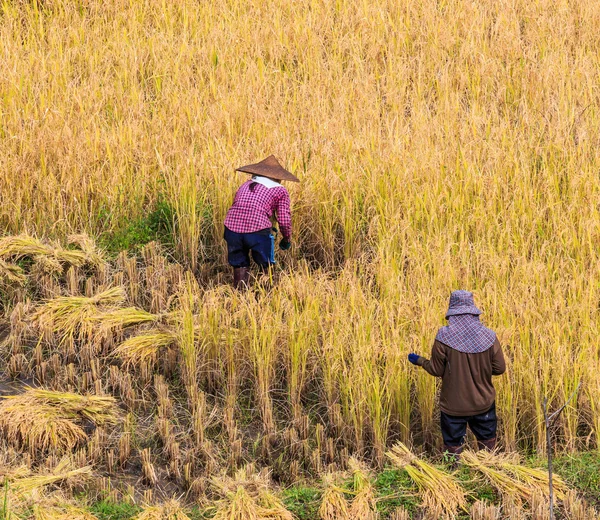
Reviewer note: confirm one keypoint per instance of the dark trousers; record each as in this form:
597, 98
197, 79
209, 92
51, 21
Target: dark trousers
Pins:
261, 245
454, 428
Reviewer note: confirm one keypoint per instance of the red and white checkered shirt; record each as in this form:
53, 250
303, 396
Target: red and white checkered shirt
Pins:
253, 210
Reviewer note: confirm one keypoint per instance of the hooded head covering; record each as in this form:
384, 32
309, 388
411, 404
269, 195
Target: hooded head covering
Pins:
465, 332
270, 168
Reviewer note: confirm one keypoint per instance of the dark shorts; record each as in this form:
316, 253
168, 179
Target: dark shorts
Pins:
261, 245
454, 428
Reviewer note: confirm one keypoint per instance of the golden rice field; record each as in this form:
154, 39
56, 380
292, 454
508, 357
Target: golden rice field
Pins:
441, 145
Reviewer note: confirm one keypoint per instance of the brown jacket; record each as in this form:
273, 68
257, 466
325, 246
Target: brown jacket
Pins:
467, 387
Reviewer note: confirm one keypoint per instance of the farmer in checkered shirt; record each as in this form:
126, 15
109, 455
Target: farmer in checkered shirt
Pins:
465, 355
249, 222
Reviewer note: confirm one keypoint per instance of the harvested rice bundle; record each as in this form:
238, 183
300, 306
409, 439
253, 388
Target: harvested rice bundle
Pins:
11, 273
99, 409
123, 318
38, 428
247, 496
333, 504
238, 506
61, 512
69, 316
529, 480
507, 485
145, 348
363, 506
43, 421
441, 493
50, 258
272, 507
65, 473
171, 510
93, 254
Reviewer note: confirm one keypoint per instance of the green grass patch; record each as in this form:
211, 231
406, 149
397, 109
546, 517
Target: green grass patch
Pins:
157, 224
582, 472
107, 510
395, 489
303, 501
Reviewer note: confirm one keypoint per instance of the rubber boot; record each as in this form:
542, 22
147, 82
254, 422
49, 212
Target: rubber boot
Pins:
489, 445
241, 277
453, 454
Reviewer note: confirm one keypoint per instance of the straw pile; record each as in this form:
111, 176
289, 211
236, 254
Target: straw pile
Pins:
442, 495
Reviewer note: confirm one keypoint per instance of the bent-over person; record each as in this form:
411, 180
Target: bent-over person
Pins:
249, 222
465, 355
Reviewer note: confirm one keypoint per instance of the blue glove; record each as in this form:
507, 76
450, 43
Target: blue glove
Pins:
413, 358
285, 244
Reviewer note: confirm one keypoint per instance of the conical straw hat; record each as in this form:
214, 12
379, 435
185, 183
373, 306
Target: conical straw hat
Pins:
270, 168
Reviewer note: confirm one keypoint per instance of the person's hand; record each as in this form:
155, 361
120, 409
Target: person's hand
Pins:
285, 244
413, 358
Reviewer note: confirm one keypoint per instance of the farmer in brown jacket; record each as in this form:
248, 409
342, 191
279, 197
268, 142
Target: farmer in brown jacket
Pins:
465, 355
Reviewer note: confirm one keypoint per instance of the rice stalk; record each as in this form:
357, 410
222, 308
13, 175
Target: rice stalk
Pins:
481, 510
